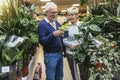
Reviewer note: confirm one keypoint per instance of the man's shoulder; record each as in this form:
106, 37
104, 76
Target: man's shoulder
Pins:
43, 22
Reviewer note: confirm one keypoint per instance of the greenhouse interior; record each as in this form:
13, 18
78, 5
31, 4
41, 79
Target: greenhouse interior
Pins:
59, 39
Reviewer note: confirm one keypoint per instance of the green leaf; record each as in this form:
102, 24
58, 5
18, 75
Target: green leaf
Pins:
94, 28
32, 7
5, 57
17, 56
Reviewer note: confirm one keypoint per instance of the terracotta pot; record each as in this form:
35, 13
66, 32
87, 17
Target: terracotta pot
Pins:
25, 71
100, 65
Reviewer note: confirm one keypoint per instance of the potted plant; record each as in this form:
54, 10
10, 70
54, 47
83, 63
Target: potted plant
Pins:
20, 22
10, 56
99, 51
96, 55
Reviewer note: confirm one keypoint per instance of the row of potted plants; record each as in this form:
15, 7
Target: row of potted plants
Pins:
99, 54
18, 27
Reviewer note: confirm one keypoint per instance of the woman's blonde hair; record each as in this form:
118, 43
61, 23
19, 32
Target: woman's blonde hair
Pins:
72, 10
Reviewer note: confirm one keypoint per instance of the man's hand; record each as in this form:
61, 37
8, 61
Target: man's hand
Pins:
57, 33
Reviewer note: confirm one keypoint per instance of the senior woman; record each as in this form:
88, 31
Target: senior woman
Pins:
72, 17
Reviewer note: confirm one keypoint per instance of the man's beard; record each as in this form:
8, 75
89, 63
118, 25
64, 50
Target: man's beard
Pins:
53, 18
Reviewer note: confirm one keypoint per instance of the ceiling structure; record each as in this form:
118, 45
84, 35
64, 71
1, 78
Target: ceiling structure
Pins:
62, 4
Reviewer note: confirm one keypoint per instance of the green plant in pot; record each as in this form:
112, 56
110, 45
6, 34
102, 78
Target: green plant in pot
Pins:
9, 50
96, 54
11, 56
100, 51
20, 22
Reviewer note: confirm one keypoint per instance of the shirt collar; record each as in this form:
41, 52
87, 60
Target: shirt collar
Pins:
52, 24
47, 20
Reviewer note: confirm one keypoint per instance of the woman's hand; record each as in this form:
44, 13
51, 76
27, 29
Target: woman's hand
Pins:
72, 46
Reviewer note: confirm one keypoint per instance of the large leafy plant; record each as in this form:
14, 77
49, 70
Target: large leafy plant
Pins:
18, 20
9, 50
96, 53
100, 51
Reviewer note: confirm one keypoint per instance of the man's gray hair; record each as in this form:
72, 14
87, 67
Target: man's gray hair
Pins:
49, 5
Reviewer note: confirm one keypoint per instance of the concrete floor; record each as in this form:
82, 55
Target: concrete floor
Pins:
39, 58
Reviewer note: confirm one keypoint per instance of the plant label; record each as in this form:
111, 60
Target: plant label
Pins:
5, 69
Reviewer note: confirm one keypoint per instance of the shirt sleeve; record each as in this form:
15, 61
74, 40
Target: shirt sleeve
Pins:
67, 43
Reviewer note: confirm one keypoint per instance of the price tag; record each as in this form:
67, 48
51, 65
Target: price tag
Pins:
5, 69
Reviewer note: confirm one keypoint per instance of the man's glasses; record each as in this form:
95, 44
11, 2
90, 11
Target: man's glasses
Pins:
53, 12
72, 14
